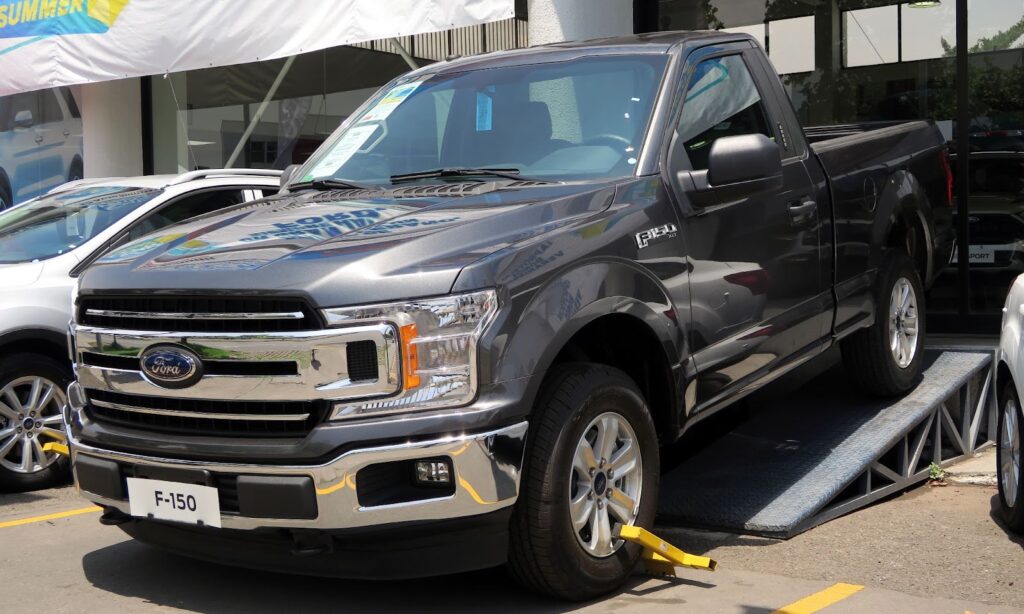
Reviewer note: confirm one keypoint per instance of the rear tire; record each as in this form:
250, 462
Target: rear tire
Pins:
18, 376
1009, 466
6, 200
76, 172
885, 359
549, 553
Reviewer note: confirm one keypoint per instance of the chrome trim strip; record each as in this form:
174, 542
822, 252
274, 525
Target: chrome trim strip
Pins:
320, 356
170, 315
201, 414
487, 469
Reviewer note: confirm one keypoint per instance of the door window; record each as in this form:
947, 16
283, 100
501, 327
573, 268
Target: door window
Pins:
721, 100
19, 104
186, 208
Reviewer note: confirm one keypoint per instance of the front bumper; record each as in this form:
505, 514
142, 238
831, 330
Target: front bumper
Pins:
486, 469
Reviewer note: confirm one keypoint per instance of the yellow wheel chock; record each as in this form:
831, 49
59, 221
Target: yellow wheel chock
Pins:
59, 448
661, 557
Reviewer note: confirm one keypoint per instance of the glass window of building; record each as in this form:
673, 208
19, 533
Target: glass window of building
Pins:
40, 144
867, 61
199, 118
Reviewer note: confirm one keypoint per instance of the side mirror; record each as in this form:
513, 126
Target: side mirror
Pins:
742, 159
23, 119
288, 172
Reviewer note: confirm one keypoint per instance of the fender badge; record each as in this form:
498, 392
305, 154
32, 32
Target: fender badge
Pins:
643, 239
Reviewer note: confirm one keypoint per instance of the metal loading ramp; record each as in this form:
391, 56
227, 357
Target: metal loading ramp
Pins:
828, 450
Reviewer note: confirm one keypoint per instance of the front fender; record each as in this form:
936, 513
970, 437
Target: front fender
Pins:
534, 328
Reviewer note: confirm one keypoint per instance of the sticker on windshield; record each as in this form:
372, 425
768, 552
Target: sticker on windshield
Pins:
344, 149
484, 112
390, 102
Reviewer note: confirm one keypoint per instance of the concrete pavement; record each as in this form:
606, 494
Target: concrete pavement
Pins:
73, 564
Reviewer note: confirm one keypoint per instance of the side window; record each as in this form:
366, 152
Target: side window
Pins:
21, 104
186, 208
52, 112
721, 100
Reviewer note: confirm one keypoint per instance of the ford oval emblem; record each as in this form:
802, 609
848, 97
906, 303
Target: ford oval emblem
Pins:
171, 366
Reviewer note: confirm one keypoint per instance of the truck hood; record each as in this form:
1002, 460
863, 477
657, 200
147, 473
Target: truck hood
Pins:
345, 247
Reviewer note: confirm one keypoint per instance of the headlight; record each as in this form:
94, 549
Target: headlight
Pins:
437, 345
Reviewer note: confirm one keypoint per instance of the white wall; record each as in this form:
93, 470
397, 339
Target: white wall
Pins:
553, 21
112, 128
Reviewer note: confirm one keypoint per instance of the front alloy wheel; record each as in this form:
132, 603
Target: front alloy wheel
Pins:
30, 416
591, 466
606, 482
1008, 458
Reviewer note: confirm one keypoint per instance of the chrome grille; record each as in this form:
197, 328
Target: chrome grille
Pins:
207, 418
198, 314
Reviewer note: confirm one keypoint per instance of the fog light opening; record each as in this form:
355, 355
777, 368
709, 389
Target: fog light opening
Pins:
433, 472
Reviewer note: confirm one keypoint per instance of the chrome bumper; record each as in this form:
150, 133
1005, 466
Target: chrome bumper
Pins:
487, 468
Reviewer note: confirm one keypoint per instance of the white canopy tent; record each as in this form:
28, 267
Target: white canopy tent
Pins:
49, 43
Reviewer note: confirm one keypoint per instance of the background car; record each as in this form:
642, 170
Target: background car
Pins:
40, 144
44, 245
1010, 376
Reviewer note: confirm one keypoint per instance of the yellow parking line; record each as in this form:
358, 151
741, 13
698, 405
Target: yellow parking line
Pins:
820, 600
30, 520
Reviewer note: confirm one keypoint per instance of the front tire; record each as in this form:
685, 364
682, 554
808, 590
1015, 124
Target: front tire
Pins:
31, 398
886, 358
1008, 459
592, 464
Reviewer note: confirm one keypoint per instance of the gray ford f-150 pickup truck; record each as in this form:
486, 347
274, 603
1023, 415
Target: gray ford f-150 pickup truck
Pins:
459, 336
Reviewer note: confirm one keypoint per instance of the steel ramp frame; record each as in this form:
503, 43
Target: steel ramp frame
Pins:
962, 428
827, 451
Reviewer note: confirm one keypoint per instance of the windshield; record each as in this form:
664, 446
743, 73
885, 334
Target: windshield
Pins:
58, 223
577, 119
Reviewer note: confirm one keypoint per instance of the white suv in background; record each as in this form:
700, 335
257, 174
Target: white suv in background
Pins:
44, 245
40, 143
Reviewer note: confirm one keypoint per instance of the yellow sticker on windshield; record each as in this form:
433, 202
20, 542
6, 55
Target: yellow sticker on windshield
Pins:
390, 102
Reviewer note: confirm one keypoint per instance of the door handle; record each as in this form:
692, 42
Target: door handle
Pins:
39, 139
67, 132
803, 212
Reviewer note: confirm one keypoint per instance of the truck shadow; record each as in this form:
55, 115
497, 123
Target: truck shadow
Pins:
133, 570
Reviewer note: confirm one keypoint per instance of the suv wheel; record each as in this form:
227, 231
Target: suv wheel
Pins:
1008, 459
31, 398
885, 359
6, 200
592, 465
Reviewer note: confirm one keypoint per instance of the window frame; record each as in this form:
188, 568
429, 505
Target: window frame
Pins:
674, 161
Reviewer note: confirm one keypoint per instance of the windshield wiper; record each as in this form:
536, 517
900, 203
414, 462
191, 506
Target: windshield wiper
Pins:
442, 173
330, 184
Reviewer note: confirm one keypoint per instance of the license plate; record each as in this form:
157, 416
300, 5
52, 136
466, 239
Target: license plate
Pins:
978, 254
174, 501
982, 254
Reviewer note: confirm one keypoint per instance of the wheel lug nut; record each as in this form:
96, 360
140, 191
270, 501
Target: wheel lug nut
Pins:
592, 471
19, 429
32, 414
600, 504
601, 464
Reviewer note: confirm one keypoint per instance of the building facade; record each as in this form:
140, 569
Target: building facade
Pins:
959, 63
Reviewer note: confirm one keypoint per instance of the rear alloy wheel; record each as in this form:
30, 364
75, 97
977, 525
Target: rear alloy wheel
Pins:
1008, 459
886, 358
31, 400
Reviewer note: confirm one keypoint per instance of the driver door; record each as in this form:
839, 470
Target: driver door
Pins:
752, 249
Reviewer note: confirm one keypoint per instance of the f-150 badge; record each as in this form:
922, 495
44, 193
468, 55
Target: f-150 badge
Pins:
644, 238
